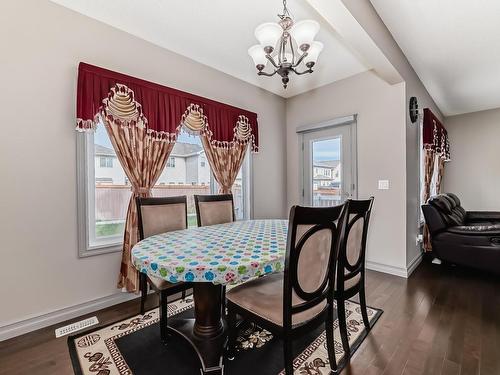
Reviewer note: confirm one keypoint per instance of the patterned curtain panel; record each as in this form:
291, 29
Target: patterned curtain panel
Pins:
143, 120
225, 158
225, 163
436, 154
142, 157
429, 157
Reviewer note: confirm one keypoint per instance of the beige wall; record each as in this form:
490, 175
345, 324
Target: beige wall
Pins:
42, 44
381, 154
473, 172
368, 18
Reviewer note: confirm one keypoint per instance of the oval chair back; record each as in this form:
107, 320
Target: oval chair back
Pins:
312, 246
351, 264
352, 250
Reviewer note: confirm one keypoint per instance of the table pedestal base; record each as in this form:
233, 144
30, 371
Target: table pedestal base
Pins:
210, 350
207, 333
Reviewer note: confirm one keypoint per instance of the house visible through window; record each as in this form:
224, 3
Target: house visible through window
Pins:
103, 204
171, 162
106, 162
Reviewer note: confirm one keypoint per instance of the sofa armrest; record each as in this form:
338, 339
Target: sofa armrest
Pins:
433, 219
482, 216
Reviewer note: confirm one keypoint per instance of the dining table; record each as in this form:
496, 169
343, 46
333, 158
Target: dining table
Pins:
211, 258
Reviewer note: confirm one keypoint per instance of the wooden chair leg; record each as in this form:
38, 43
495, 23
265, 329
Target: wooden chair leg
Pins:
364, 312
341, 315
233, 333
163, 317
143, 286
183, 295
330, 342
288, 356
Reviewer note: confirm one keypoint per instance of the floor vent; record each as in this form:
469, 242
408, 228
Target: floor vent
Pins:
77, 326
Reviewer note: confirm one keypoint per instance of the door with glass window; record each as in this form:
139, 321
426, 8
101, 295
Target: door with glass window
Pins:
328, 165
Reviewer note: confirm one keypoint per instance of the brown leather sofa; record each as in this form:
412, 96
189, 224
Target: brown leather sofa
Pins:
469, 238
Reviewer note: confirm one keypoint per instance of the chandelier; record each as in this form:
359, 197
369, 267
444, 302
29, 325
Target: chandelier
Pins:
286, 45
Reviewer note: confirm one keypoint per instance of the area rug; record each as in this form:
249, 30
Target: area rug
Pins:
132, 346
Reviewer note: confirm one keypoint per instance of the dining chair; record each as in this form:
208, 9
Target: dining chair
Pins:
351, 264
293, 303
214, 209
160, 215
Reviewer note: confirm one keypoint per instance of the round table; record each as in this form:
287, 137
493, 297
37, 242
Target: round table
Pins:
211, 257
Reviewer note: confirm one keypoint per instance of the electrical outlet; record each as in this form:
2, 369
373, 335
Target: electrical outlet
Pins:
383, 184
419, 239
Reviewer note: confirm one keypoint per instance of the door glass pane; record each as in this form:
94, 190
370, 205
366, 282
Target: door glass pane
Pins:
326, 172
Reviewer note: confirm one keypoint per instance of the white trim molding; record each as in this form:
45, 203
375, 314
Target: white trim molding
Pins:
394, 270
32, 324
412, 266
338, 121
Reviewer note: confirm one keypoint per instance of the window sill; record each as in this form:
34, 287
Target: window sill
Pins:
99, 250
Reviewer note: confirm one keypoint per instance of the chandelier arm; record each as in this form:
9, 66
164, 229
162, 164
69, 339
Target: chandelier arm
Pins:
301, 73
302, 57
261, 73
272, 61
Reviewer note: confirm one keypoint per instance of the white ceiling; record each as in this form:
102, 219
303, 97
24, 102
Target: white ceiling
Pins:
453, 45
218, 33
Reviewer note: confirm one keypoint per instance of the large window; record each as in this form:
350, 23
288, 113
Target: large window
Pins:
104, 190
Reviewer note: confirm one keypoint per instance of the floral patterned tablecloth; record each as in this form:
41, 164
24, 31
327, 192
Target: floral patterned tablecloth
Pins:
221, 254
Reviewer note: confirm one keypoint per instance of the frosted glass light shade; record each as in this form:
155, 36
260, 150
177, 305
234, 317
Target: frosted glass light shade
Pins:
258, 55
268, 34
313, 52
304, 32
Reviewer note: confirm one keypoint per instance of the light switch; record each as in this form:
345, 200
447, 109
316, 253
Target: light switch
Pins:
383, 184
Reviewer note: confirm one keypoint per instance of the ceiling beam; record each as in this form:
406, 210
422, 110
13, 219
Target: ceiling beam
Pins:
335, 13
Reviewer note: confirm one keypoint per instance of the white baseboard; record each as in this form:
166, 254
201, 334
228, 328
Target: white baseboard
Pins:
393, 270
385, 268
28, 325
412, 266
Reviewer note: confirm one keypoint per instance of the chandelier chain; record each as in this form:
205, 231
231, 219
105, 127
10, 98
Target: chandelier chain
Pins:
286, 12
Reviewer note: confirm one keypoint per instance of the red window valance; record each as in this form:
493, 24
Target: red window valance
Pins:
164, 109
434, 135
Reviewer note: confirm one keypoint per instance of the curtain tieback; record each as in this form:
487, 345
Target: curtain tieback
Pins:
141, 190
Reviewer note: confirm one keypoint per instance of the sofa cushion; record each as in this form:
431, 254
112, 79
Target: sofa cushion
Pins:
476, 229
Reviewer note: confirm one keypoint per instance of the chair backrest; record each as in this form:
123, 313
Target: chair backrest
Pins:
352, 249
214, 209
160, 215
312, 244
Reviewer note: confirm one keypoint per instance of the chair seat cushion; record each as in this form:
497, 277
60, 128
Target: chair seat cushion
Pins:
264, 298
159, 283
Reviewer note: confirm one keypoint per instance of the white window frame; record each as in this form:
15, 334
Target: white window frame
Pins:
86, 198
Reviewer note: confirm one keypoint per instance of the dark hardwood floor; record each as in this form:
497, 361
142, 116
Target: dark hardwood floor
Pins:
442, 320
